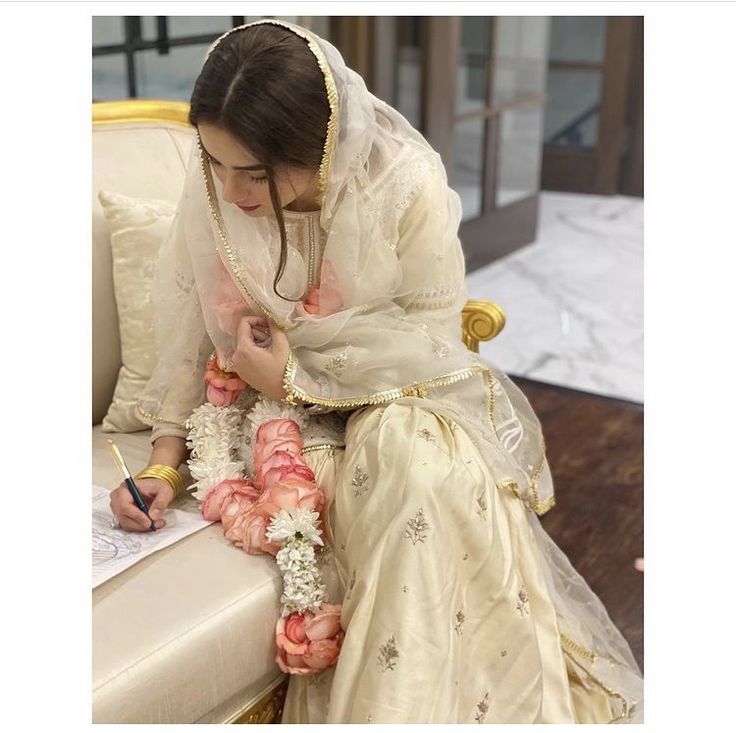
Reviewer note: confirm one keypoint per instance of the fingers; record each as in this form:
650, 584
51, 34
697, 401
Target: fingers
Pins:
131, 518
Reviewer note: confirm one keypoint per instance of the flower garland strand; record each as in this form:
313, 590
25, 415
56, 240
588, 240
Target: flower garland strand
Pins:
277, 512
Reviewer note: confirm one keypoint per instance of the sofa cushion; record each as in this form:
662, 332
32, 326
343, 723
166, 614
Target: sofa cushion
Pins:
142, 159
137, 229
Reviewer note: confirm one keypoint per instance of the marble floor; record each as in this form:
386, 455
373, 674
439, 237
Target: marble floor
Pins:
574, 299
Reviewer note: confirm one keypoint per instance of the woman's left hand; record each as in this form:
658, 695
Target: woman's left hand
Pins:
260, 356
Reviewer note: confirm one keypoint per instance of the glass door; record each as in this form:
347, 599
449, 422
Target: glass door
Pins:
593, 127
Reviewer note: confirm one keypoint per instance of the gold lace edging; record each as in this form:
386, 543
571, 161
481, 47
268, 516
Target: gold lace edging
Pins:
332, 447
295, 395
217, 216
626, 707
159, 418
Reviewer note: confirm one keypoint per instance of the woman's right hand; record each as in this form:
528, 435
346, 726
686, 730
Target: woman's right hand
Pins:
157, 494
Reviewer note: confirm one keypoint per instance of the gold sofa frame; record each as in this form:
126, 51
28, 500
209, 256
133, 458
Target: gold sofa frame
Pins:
482, 320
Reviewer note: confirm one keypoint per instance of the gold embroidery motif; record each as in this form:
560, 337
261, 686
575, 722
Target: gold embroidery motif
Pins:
503, 652
482, 506
324, 555
337, 363
482, 709
387, 653
351, 583
460, 616
417, 525
369, 718
465, 556
426, 435
523, 605
360, 481
404, 588
439, 348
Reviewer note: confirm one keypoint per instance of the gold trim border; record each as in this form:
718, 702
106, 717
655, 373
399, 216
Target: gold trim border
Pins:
141, 110
295, 395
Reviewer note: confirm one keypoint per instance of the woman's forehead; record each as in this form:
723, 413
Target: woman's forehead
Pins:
225, 148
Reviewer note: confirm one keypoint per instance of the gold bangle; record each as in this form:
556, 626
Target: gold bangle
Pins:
167, 473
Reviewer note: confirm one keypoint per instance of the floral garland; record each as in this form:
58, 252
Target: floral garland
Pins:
276, 512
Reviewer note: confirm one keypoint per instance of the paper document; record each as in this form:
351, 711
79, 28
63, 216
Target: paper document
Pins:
114, 550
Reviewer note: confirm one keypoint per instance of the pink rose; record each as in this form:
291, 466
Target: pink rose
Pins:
276, 435
322, 653
294, 628
323, 624
223, 388
326, 298
247, 530
292, 492
279, 466
278, 429
212, 505
241, 498
298, 651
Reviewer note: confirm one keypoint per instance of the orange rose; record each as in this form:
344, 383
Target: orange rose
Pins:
213, 503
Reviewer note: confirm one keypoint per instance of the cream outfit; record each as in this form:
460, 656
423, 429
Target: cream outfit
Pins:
456, 605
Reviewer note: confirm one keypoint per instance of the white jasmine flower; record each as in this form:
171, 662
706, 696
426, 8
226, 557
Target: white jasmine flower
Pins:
286, 524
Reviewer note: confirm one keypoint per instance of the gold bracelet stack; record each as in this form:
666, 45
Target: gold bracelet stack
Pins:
167, 473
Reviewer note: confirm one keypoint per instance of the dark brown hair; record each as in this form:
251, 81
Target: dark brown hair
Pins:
262, 85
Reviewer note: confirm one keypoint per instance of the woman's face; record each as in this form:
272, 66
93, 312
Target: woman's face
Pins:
249, 188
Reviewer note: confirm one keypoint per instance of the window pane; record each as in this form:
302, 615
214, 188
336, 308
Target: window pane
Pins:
467, 165
171, 75
109, 78
472, 60
578, 38
519, 154
409, 69
182, 25
571, 109
520, 58
107, 30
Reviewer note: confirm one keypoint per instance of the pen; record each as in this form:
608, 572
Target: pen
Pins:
137, 498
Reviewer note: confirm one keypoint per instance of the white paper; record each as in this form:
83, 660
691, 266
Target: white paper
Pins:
114, 550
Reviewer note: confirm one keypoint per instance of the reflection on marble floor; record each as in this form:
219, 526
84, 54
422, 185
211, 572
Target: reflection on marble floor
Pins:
574, 298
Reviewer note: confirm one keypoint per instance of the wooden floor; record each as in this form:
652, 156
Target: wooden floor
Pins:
595, 449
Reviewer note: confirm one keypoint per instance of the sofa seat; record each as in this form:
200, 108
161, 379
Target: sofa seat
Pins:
189, 625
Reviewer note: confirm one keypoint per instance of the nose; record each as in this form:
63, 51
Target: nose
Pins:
232, 188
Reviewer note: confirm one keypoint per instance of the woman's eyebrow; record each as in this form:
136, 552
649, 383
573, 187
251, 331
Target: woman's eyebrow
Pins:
235, 167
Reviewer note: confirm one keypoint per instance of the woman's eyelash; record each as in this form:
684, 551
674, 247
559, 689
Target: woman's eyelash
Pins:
262, 179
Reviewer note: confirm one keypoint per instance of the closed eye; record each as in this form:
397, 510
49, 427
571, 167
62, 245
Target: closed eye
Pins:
255, 179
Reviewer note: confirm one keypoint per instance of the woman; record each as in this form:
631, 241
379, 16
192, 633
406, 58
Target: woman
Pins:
315, 253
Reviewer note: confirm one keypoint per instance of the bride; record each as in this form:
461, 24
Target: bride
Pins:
315, 258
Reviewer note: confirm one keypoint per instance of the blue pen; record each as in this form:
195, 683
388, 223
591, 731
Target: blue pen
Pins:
137, 498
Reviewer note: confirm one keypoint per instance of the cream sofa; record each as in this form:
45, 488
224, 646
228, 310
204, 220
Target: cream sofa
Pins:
186, 635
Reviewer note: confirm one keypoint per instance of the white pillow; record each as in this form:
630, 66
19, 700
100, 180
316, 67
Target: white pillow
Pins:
137, 229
